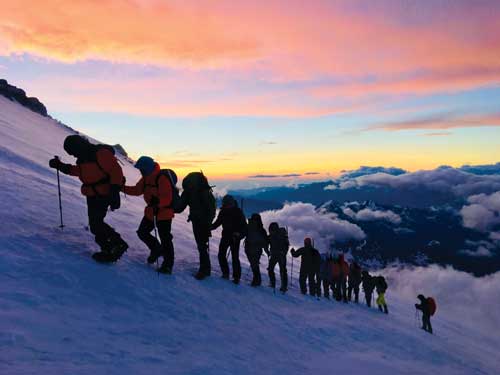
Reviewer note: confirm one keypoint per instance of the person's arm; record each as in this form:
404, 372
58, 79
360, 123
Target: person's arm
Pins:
164, 192
72, 170
218, 222
136, 190
184, 198
297, 253
109, 164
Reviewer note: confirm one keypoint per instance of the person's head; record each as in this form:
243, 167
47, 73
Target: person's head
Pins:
307, 242
228, 201
421, 297
257, 219
145, 165
273, 227
365, 273
195, 181
77, 146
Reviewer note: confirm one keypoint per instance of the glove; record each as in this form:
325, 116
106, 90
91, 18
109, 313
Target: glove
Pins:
55, 163
114, 200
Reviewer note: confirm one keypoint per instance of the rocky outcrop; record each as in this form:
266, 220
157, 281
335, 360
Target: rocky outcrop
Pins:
18, 95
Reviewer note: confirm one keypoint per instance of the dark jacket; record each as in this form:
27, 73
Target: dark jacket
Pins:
311, 260
424, 305
257, 239
278, 242
325, 270
232, 220
380, 284
354, 274
368, 283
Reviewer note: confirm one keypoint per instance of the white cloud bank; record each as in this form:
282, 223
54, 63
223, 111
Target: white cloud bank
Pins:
367, 214
304, 220
473, 301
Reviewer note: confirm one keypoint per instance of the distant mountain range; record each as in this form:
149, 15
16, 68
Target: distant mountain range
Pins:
410, 218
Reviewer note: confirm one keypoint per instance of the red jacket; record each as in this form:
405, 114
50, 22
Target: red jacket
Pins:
340, 269
98, 176
147, 187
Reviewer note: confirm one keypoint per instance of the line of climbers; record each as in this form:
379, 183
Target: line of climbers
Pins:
102, 181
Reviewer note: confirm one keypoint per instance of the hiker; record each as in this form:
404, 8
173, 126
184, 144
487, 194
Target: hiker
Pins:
309, 268
278, 248
354, 281
156, 186
381, 287
325, 274
340, 273
197, 194
426, 306
255, 243
102, 178
234, 227
368, 286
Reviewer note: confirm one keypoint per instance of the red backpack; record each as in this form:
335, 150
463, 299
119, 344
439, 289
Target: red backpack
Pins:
432, 305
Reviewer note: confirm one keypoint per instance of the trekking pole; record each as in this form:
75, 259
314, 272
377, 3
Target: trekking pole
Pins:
291, 274
156, 237
59, 192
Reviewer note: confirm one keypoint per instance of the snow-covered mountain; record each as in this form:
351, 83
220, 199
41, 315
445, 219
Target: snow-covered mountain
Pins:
62, 313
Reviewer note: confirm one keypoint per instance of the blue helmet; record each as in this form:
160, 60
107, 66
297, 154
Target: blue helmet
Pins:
146, 165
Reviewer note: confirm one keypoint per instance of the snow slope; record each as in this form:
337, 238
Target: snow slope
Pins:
62, 313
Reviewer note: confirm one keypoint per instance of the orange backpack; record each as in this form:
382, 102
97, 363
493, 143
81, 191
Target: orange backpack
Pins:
432, 305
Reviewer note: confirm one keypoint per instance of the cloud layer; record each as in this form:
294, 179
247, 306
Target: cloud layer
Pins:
367, 214
472, 301
304, 220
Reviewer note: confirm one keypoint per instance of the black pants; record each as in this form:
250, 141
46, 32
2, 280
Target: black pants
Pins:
340, 289
201, 233
426, 323
326, 288
253, 255
230, 242
281, 260
105, 235
166, 248
353, 286
368, 298
309, 277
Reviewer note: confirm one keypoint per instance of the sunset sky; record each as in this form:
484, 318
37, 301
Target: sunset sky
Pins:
244, 88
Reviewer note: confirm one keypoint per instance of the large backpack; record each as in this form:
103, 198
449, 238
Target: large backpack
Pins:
432, 305
199, 188
172, 178
381, 284
284, 242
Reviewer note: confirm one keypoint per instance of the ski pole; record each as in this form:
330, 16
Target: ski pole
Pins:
59, 192
156, 237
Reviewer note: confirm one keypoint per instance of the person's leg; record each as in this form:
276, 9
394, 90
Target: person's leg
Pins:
235, 255
326, 288
224, 266
302, 282
344, 290
356, 293
270, 270
144, 234
201, 236
283, 274
368, 297
349, 291
167, 245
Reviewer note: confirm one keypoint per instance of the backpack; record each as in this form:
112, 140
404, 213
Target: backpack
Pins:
199, 188
381, 284
172, 177
432, 305
284, 243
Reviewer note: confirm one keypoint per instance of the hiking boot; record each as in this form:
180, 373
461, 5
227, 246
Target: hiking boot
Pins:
255, 283
103, 257
380, 308
386, 310
283, 290
118, 248
165, 269
200, 275
236, 281
153, 257
225, 276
